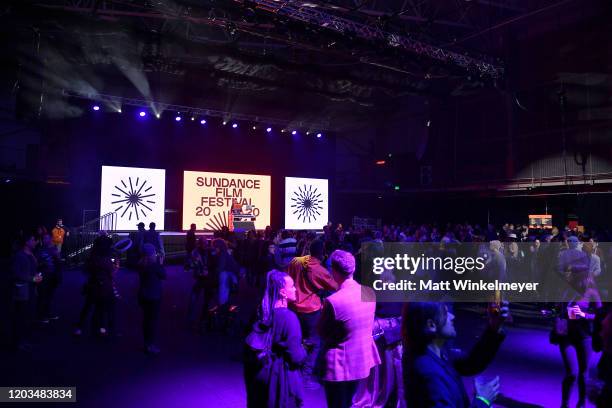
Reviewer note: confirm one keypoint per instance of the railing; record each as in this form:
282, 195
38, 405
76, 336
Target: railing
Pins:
80, 240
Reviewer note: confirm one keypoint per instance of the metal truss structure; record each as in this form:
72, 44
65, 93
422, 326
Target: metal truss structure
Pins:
311, 15
339, 20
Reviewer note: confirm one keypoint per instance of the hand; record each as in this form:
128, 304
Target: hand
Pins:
577, 312
498, 315
487, 390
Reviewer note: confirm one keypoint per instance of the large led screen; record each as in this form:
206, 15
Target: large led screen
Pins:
214, 200
134, 194
306, 203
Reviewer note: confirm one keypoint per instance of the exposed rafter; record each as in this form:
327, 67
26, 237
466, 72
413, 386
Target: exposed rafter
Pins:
312, 16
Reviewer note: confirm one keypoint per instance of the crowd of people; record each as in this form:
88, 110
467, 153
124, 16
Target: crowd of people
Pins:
317, 325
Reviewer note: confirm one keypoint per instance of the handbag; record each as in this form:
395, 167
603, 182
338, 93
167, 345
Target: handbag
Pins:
560, 327
259, 342
559, 330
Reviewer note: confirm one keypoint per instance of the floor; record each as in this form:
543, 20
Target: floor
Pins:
204, 370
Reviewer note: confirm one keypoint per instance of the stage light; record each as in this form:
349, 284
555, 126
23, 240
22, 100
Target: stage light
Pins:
203, 122
192, 118
235, 125
396, 188
319, 135
118, 110
224, 122
282, 130
254, 127
269, 129
96, 108
307, 132
380, 162
294, 132
157, 115
178, 118
428, 123
143, 114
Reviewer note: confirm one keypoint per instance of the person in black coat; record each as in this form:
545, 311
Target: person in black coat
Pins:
99, 290
432, 376
277, 384
151, 274
202, 285
24, 277
49, 265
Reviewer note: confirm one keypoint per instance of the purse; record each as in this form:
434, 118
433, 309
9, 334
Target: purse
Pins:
259, 342
559, 330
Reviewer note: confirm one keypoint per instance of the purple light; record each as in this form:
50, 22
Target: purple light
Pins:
178, 118
319, 135
269, 130
294, 132
96, 108
203, 122
235, 125
143, 114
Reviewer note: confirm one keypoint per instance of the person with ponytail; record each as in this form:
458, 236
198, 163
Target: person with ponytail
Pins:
272, 371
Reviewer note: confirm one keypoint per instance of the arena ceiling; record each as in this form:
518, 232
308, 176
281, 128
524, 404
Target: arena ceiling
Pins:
340, 62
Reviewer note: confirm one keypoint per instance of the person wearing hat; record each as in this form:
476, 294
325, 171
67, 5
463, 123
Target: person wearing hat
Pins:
133, 253
573, 260
151, 274
140, 236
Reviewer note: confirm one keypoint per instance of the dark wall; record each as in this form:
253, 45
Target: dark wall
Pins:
591, 210
73, 151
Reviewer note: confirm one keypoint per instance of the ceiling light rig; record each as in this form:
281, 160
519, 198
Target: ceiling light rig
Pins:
179, 116
198, 114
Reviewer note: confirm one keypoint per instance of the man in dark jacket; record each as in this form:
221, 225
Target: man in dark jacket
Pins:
24, 277
49, 265
432, 375
190, 240
154, 238
151, 274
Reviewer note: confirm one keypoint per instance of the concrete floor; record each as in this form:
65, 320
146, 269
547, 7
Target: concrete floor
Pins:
204, 370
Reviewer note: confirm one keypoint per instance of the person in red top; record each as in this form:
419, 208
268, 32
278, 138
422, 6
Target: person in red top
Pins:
311, 279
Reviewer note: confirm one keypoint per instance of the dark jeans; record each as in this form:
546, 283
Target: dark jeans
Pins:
308, 323
46, 291
339, 394
576, 354
85, 310
150, 311
21, 319
104, 313
199, 288
103, 316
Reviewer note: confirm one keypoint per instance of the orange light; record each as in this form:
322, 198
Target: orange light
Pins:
380, 162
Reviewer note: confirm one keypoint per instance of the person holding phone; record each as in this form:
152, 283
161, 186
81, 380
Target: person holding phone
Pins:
575, 343
24, 276
432, 374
